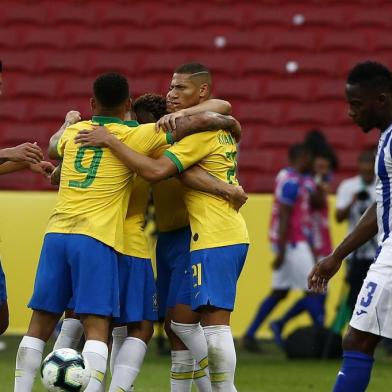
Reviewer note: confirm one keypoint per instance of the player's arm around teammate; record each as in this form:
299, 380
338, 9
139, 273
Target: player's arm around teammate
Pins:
161, 168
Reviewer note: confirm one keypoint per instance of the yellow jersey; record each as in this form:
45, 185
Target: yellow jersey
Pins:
168, 195
95, 186
214, 222
135, 241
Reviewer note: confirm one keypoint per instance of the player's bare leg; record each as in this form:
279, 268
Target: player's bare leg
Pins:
221, 350
130, 357
358, 347
29, 356
96, 329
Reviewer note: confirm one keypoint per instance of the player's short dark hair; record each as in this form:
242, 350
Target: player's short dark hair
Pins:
152, 103
192, 68
297, 150
111, 89
371, 74
367, 156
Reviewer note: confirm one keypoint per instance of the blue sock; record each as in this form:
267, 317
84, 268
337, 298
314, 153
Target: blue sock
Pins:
354, 375
265, 309
296, 309
314, 304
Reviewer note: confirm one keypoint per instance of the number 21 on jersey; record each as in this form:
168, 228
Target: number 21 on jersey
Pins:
196, 272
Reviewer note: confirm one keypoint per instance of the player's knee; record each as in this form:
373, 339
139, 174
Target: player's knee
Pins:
168, 330
359, 341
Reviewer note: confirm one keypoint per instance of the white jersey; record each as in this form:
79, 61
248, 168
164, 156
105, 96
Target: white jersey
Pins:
383, 169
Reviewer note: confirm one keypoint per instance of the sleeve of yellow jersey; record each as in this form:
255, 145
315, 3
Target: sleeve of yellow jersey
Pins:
61, 143
190, 150
145, 139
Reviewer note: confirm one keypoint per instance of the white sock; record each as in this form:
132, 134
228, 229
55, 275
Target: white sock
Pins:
222, 357
181, 374
28, 361
96, 353
70, 334
119, 335
128, 363
192, 335
203, 383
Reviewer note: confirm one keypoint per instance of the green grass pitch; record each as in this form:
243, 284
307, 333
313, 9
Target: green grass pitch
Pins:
266, 372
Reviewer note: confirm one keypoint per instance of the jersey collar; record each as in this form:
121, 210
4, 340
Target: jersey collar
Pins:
131, 123
102, 120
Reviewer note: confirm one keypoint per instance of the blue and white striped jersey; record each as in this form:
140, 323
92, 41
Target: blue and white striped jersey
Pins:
383, 169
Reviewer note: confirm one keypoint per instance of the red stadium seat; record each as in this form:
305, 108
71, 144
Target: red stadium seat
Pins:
279, 137
264, 64
22, 180
255, 182
125, 16
29, 15
164, 63
183, 15
191, 40
9, 38
76, 14
261, 113
116, 62
74, 63
94, 39
145, 85
291, 41
50, 111
330, 89
320, 16
264, 15
35, 87
243, 40
262, 160
143, 40
296, 89
44, 38
352, 41
311, 114
13, 110
26, 61
342, 137
373, 17
237, 88
12, 135
225, 63
348, 160
317, 64
231, 16
80, 87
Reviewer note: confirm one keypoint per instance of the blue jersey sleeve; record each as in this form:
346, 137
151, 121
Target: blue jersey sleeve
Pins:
289, 192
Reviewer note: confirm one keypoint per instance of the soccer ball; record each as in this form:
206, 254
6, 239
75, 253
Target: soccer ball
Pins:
65, 370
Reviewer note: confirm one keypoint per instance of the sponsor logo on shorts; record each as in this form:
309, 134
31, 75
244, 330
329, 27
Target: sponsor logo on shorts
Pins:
197, 294
360, 312
155, 303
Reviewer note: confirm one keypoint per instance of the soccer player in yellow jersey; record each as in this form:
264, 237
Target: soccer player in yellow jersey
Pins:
219, 240
78, 257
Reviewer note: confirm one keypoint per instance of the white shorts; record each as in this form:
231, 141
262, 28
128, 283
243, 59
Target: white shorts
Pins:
373, 310
293, 274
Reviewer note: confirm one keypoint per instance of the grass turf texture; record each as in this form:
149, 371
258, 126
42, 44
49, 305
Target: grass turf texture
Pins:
266, 372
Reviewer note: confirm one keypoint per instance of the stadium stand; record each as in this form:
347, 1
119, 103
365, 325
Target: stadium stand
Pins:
281, 64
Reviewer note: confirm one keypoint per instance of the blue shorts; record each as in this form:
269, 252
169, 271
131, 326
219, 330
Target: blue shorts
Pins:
3, 288
173, 266
79, 267
215, 272
138, 297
